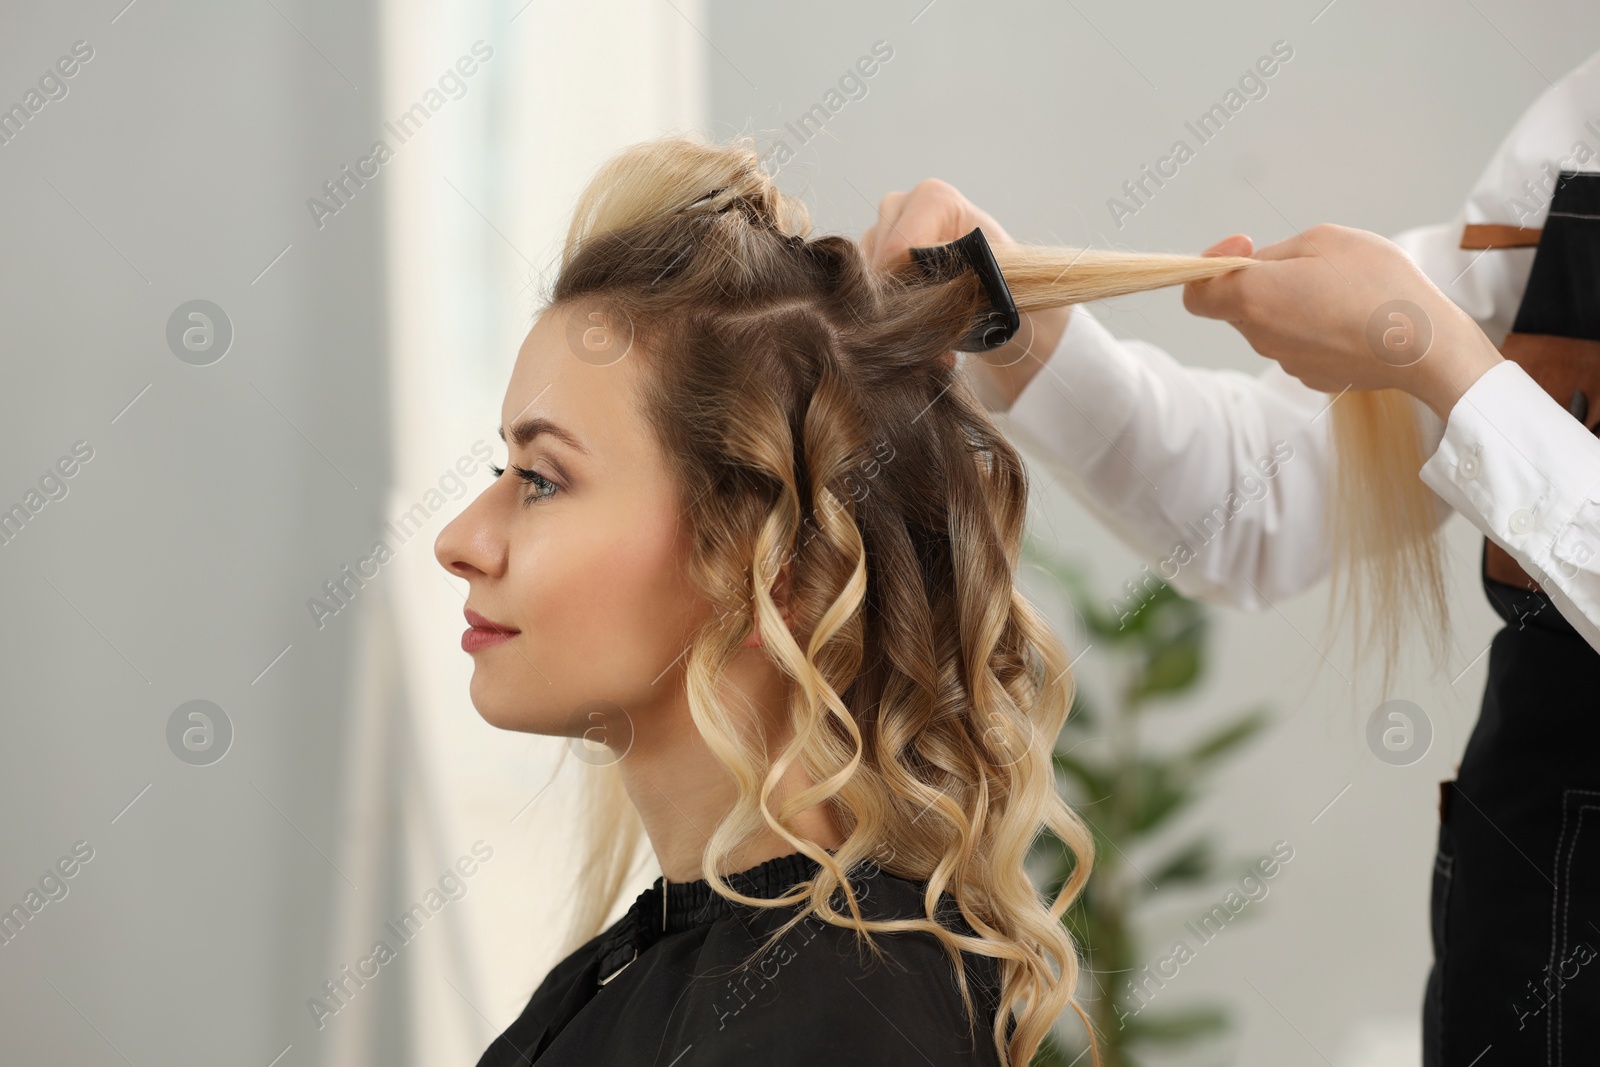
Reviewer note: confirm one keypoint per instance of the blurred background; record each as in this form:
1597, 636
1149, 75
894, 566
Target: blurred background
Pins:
267, 345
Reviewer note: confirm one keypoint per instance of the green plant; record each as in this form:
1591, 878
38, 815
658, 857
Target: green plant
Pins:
1155, 651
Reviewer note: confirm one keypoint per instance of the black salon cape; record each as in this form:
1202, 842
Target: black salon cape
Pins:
677, 998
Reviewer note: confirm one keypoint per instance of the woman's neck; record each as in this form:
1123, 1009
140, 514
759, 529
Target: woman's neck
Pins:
682, 793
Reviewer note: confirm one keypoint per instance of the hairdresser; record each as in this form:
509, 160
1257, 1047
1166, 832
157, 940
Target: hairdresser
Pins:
1148, 443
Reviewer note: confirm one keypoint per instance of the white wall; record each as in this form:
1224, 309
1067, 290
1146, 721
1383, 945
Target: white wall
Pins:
178, 564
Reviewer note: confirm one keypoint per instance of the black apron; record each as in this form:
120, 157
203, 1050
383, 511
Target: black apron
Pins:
1516, 882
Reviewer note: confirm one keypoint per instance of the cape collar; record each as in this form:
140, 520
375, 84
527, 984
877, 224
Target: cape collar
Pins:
685, 905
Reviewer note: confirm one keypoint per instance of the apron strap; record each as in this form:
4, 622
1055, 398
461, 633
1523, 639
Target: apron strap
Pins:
1497, 235
1556, 335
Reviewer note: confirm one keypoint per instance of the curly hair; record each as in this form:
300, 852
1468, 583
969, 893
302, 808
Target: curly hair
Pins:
802, 401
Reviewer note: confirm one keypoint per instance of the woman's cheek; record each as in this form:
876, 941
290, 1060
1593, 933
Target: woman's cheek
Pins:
579, 600
626, 600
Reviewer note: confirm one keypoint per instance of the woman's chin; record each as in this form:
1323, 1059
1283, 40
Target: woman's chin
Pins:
505, 712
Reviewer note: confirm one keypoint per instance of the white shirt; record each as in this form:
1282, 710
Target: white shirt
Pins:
1234, 467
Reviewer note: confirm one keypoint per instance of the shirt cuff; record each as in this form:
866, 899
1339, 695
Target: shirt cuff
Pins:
1524, 471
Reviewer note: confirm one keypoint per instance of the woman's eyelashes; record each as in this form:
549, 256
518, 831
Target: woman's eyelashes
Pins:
544, 487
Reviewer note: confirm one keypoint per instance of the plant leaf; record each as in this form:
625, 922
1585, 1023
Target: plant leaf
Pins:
1160, 791
1228, 738
1172, 647
1170, 668
1190, 864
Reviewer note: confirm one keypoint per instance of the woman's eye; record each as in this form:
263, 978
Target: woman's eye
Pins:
542, 487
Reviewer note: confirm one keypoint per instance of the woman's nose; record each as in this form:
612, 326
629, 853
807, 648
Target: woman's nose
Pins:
473, 543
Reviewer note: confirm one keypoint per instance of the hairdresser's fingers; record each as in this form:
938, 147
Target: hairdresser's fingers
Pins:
1296, 268
888, 211
933, 213
912, 220
1208, 298
1233, 245
1222, 297
1320, 240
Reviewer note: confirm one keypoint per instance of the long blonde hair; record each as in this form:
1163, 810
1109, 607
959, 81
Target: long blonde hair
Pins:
801, 400
1383, 525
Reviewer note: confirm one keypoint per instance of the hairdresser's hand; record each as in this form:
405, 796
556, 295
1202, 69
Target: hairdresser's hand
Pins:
935, 213
1341, 308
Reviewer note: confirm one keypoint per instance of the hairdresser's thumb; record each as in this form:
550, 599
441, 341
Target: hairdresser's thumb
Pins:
1218, 298
1233, 245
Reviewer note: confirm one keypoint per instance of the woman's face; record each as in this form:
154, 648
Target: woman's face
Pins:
580, 598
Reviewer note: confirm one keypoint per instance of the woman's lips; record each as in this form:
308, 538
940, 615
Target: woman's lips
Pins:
484, 632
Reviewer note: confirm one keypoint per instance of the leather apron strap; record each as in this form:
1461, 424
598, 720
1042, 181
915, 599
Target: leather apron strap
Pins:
1556, 336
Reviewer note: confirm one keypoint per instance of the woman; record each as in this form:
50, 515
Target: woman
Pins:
762, 543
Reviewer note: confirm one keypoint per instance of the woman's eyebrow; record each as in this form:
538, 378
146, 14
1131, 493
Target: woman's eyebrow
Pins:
526, 430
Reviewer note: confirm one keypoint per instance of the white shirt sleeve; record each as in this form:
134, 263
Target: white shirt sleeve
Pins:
1170, 455
1528, 475
1215, 476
